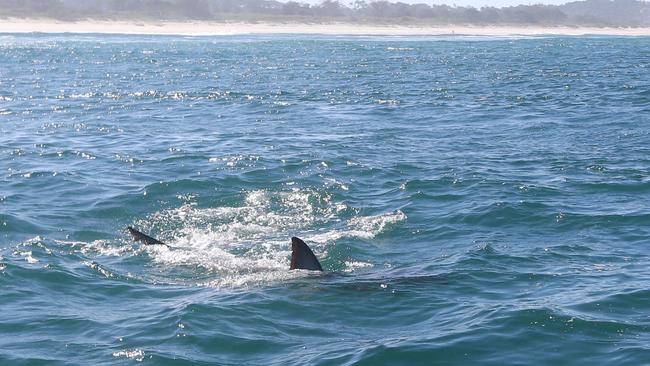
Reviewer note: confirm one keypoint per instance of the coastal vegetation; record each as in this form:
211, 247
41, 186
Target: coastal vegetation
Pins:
610, 13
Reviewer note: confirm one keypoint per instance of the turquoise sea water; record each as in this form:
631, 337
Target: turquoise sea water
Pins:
474, 201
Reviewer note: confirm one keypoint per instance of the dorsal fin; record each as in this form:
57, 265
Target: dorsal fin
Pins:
143, 238
302, 257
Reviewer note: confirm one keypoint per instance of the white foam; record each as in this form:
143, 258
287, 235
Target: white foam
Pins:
245, 280
364, 227
376, 224
248, 244
134, 354
100, 247
103, 271
28, 257
264, 215
351, 266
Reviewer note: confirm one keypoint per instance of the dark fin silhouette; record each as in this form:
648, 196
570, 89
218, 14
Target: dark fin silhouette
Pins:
302, 257
143, 238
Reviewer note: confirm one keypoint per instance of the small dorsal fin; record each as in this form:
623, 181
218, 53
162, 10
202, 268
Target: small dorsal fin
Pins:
143, 238
302, 257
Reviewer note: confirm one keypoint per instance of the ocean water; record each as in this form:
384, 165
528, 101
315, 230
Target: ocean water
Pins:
474, 201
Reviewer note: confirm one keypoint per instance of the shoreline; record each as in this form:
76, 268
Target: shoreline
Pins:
207, 28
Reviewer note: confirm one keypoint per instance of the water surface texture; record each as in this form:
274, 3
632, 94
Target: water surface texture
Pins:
477, 201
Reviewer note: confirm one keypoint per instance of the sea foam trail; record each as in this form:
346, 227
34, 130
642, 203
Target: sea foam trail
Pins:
247, 245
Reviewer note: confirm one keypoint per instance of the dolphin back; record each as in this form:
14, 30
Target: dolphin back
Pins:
143, 238
302, 257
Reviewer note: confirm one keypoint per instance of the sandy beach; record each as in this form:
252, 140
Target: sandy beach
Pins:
14, 25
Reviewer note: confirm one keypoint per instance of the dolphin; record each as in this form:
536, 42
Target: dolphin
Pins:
302, 256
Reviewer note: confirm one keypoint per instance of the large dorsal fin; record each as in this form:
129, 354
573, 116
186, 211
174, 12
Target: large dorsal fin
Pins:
302, 257
143, 238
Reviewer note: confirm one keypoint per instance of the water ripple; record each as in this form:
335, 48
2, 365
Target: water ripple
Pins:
473, 201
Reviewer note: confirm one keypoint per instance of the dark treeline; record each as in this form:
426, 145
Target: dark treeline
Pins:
589, 12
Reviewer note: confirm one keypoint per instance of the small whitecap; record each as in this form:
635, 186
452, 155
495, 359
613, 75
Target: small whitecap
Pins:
28, 257
134, 354
88, 156
100, 247
351, 266
101, 270
81, 95
374, 225
388, 101
176, 95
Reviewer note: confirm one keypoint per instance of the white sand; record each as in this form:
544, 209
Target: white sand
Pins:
14, 25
